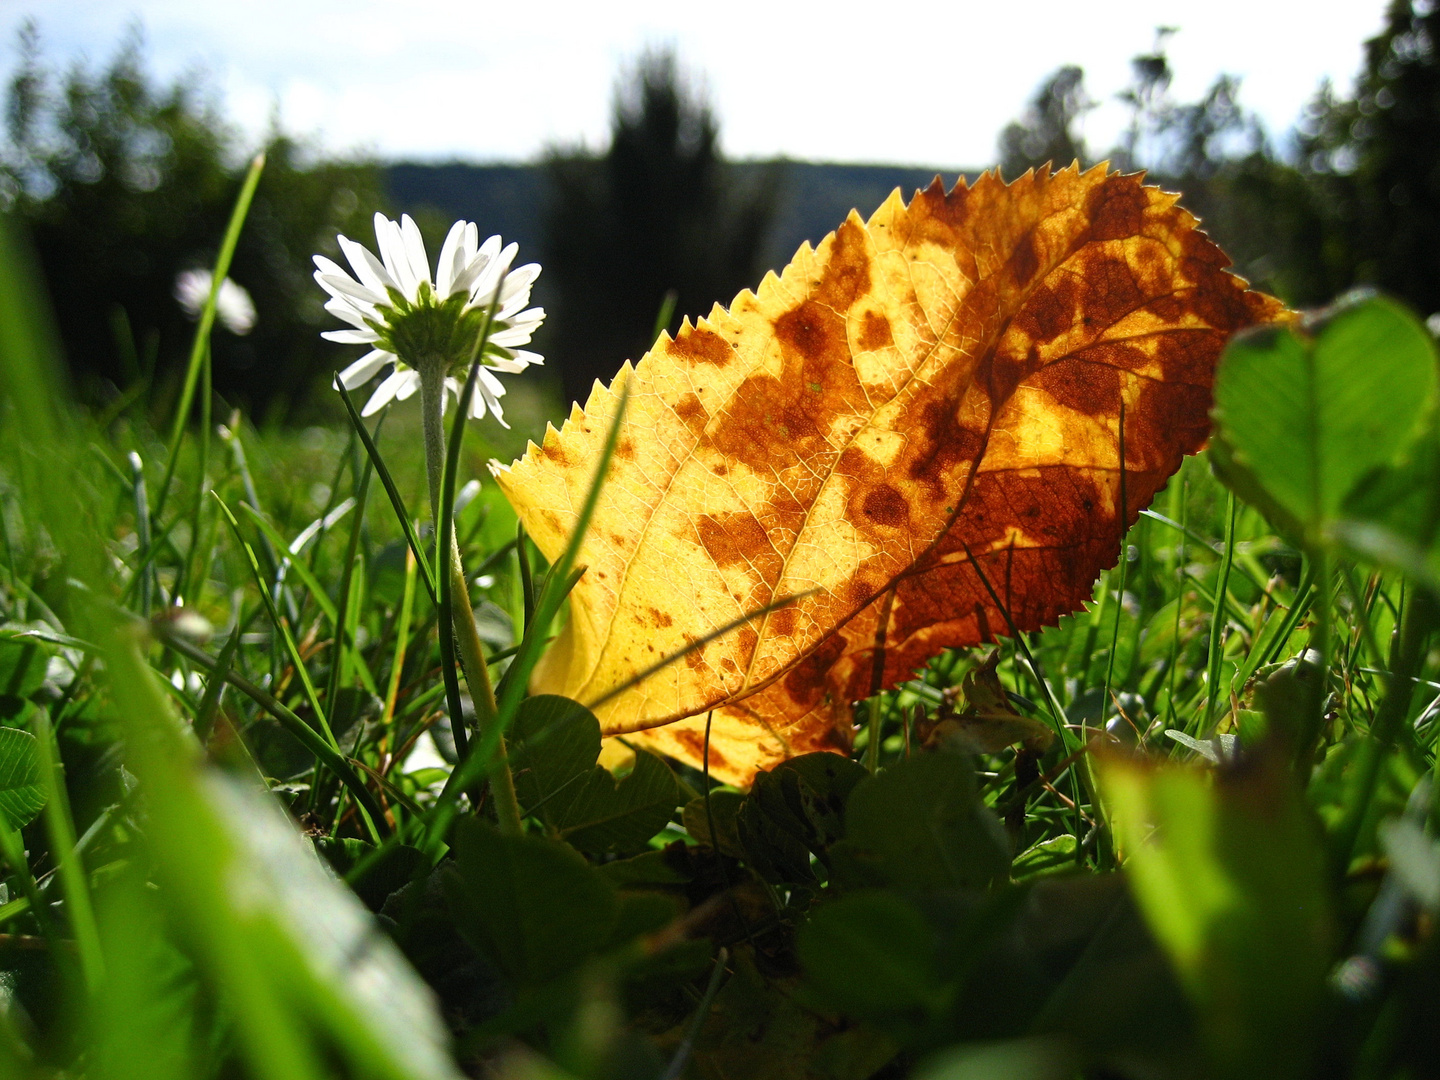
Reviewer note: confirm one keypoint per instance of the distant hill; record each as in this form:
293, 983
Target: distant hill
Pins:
511, 200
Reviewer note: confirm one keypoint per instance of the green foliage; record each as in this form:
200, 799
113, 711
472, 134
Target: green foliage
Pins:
22, 795
556, 745
1302, 420
531, 905
1233, 886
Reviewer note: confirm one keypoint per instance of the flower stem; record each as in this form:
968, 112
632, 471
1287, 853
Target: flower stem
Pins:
467, 637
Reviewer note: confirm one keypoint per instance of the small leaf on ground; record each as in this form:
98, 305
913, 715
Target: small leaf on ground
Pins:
554, 745
920, 824
532, 906
1302, 417
22, 794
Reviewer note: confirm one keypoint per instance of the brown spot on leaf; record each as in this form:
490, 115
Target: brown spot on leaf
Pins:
875, 333
884, 505
702, 346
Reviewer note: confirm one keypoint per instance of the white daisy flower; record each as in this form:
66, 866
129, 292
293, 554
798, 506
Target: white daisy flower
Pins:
426, 326
233, 305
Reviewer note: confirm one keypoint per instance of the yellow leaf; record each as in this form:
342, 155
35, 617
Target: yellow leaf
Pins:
948, 375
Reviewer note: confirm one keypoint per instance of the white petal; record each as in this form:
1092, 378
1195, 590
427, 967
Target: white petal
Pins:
519, 280
449, 262
410, 385
385, 392
487, 381
514, 364
513, 335
498, 413
235, 308
479, 260
351, 337
344, 285
392, 254
365, 369
367, 268
415, 250
343, 308
488, 284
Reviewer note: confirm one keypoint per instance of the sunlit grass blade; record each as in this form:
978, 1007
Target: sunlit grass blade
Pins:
347, 610
402, 637
1215, 656
426, 575
311, 739
302, 673
210, 702
60, 826
307, 577
557, 583
201, 344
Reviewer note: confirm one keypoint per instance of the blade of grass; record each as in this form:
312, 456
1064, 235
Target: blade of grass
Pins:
60, 827
402, 635
142, 534
390, 489
201, 343
698, 643
1215, 656
210, 702
303, 732
527, 579
291, 649
462, 622
307, 578
343, 612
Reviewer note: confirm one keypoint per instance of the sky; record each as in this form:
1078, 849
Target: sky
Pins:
925, 82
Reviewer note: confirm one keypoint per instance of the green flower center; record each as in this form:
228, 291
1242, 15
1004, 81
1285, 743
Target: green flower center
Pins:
429, 331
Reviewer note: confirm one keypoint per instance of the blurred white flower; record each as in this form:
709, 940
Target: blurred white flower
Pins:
431, 326
233, 305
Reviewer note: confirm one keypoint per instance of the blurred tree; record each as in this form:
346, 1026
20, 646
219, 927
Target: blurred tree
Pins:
659, 211
1047, 129
124, 184
1377, 157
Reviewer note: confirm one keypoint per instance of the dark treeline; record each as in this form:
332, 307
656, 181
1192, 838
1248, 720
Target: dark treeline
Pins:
125, 184
1350, 197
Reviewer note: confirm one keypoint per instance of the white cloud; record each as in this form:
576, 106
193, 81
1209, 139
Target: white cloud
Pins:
929, 82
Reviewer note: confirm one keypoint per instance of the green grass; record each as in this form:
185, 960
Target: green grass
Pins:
951, 915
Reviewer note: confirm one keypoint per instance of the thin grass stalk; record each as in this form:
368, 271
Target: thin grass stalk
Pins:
60, 827
1215, 656
206, 324
146, 573
186, 585
462, 619
396, 502
1182, 493
312, 698
1421, 616
402, 633
556, 587
210, 701
305, 734
1120, 587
